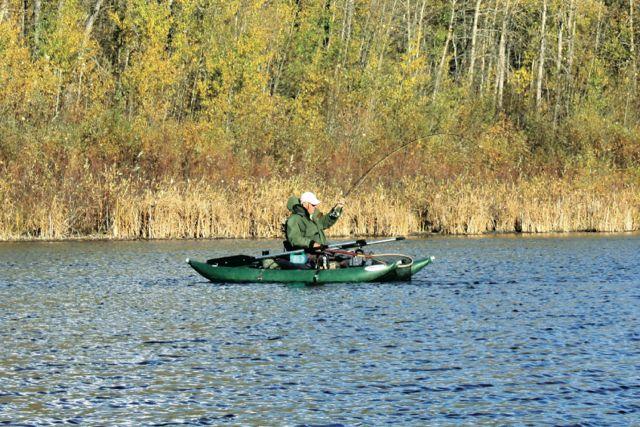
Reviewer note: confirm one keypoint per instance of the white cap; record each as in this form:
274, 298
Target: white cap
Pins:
309, 197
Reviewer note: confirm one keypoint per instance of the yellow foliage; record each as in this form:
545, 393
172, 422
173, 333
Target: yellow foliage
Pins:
503, 146
25, 85
521, 80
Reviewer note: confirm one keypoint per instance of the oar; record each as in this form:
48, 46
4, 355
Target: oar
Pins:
240, 260
360, 243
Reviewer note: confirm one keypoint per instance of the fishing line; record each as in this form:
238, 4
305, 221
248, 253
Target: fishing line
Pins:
389, 154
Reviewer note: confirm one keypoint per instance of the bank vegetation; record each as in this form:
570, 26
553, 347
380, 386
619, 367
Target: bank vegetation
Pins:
198, 118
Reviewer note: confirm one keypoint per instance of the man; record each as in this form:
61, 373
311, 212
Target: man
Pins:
304, 228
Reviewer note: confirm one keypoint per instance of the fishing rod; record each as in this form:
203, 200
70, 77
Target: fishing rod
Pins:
239, 260
361, 179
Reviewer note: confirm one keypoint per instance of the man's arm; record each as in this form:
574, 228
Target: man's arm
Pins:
326, 221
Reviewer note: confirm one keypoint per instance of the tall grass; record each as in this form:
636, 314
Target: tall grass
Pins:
124, 209
533, 206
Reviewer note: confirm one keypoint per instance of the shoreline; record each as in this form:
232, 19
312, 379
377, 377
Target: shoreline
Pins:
412, 236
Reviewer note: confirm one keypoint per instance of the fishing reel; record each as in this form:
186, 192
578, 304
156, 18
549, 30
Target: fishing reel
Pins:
322, 262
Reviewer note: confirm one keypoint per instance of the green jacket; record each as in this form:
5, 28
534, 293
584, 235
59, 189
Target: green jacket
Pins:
302, 230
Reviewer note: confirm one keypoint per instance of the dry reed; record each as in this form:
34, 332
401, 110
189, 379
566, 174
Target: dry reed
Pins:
535, 206
252, 209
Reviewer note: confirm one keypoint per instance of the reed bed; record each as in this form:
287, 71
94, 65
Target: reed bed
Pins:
197, 210
256, 208
535, 206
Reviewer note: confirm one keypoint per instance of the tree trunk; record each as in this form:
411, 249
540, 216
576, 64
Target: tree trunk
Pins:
489, 45
37, 7
347, 40
4, 9
281, 61
502, 62
597, 45
571, 32
634, 59
381, 44
474, 37
408, 3
445, 50
631, 93
366, 35
419, 36
387, 33
456, 65
23, 18
559, 58
336, 90
58, 74
92, 19
87, 33
543, 45
344, 19
58, 71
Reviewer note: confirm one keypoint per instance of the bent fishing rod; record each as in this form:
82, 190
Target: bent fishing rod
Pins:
361, 179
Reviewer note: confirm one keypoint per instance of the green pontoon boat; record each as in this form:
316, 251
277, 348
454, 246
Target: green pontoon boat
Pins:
396, 271
248, 269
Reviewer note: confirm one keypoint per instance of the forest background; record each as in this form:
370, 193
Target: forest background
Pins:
198, 118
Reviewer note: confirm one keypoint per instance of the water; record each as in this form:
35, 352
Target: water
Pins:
499, 330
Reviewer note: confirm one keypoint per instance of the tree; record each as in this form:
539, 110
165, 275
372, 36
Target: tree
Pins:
541, 58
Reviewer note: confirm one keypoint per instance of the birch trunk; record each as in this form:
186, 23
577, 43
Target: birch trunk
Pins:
634, 65
474, 37
280, 62
387, 33
340, 63
369, 53
91, 21
347, 41
23, 18
85, 41
4, 9
634, 59
37, 7
58, 71
556, 110
597, 43
344, 14
571, 32
543, 45
385, 26
366, 37
419, 36
456, 65
408, 3
502, 62
489, 44
445, 50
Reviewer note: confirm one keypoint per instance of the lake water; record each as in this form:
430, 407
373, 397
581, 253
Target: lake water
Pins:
499, 330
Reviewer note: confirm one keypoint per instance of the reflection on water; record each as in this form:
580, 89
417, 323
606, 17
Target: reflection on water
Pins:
498, 330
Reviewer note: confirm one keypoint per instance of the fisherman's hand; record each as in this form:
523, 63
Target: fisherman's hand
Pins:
336, 211
316, 245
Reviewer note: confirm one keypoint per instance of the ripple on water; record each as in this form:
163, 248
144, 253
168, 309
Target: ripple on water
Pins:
497, 331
